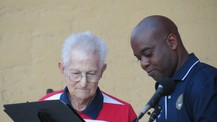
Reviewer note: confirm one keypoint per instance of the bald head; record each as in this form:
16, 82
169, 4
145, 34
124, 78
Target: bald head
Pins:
156, 25
157, 45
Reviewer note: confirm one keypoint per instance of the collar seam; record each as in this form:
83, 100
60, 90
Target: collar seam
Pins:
190, 70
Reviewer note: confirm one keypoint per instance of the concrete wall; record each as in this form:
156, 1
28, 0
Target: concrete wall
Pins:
32, 33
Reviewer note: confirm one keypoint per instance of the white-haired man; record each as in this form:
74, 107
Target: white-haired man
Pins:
82, 65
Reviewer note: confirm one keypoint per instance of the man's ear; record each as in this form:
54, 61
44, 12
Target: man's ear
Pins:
103, 68
172, 41
61, 67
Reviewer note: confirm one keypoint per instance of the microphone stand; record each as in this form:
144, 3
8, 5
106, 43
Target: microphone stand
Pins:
155, 113
152, 115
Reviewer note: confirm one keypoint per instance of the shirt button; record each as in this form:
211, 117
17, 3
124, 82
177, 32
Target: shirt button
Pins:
169, 97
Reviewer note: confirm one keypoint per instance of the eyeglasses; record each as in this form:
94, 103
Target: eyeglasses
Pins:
76, 77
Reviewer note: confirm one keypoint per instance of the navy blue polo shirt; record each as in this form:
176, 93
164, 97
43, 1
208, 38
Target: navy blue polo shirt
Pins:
195, 96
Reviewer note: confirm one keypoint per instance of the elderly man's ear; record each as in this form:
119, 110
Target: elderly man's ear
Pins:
103, 68
61, 67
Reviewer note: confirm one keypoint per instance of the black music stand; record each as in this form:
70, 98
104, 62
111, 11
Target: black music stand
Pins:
44, 111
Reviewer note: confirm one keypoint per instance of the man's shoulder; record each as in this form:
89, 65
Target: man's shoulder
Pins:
206, 67
107, 98
201, 80
117, 106
204, 72
52, 96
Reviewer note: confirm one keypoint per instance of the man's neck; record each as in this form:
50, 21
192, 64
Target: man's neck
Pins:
80, 104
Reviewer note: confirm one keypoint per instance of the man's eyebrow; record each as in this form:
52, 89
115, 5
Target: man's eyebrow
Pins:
145, 49
73, 70
92, 71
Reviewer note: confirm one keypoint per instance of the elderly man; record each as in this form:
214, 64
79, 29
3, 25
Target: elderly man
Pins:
156, 43
82, 66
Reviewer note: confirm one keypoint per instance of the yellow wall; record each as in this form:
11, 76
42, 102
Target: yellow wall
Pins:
32, 33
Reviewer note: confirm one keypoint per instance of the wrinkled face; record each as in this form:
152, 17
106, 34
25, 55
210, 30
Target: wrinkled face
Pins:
155, 55
87, 65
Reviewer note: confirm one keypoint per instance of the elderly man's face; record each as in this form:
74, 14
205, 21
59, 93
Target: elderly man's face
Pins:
86, 67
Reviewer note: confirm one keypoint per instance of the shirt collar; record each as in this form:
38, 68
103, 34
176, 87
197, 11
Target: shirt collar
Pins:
183, 72
93, 109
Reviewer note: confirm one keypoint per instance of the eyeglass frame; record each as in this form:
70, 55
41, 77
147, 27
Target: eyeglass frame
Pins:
95, 77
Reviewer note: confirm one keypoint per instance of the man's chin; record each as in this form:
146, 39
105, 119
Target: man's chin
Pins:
155, 78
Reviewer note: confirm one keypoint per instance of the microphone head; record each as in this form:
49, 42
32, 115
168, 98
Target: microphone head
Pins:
168, 85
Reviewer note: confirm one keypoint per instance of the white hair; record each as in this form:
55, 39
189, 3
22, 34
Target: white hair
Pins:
85, 42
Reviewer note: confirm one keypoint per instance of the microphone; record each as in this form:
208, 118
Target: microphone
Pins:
164, 86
